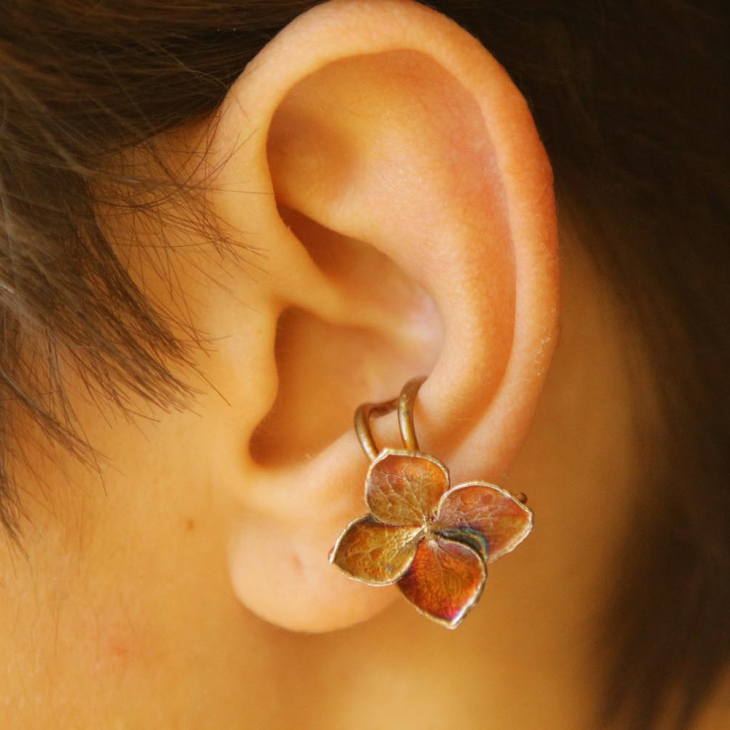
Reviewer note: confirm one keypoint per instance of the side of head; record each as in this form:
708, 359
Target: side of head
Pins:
209, 264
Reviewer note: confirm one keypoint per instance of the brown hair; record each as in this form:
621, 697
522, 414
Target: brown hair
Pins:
631, 100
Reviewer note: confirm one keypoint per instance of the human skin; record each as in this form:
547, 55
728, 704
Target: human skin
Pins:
126, 590
181, 580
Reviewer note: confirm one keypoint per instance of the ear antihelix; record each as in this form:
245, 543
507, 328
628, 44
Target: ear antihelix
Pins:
431, 539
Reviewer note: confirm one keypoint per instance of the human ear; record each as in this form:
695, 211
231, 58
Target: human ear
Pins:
392, 173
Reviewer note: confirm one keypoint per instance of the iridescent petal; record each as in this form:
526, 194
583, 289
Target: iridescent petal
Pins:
503, 520
375, 553
403, 488
468, 536
445, 580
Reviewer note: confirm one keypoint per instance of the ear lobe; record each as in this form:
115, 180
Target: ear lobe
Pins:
411, 230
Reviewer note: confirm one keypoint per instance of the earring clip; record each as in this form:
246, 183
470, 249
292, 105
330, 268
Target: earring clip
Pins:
432, 540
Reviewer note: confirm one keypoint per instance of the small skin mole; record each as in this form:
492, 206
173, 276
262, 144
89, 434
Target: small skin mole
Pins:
189, 524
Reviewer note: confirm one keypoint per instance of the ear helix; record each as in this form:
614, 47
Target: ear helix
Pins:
433, 540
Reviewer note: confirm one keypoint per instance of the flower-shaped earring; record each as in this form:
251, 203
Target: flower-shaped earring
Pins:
432, 540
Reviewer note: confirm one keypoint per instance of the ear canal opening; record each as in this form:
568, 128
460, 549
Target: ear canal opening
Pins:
324, 372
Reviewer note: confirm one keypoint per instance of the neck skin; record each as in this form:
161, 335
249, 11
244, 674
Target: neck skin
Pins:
88, 608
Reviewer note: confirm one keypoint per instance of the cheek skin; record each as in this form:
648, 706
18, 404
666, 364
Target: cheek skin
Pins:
121, 645
97, 620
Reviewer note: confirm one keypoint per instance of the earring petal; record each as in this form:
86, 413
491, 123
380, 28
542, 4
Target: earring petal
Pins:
404, 488
375, 553
445, 580
503, 520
